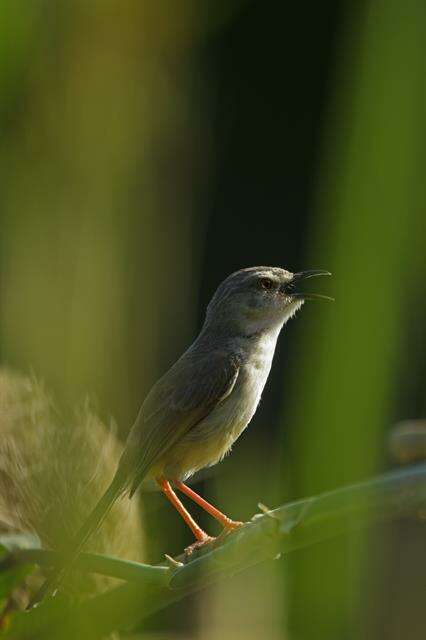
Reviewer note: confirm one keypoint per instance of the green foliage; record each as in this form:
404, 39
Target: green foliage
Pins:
288, 528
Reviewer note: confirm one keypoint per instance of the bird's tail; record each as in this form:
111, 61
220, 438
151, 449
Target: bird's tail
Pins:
89, 527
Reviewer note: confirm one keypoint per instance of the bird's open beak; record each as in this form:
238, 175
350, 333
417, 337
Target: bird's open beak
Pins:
303, 275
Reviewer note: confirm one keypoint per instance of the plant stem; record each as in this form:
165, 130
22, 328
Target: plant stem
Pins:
292, 526
92, 563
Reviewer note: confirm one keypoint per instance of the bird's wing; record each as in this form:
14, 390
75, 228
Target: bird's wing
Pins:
183, 397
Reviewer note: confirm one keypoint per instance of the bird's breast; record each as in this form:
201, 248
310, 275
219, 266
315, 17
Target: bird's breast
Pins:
232, 416
210, 440
253, 376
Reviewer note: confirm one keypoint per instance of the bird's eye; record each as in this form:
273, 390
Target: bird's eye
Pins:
267, 283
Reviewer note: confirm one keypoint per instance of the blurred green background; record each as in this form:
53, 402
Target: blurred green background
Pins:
150, 148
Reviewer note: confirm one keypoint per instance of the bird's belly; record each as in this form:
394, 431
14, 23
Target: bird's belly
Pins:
208, 442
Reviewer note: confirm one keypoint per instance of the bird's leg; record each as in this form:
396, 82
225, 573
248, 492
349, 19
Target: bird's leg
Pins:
198, 532
226, 522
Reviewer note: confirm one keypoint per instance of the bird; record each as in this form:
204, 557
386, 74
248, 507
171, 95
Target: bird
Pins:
195, 412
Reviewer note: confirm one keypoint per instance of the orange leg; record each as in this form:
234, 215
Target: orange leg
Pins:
218, 515
198, 532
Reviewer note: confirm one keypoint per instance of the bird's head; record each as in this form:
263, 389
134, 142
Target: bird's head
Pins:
259, 298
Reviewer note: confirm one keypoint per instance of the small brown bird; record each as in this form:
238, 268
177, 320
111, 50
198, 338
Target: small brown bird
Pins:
195, 412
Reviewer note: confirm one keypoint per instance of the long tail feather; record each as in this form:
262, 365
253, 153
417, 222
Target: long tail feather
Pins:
89, 527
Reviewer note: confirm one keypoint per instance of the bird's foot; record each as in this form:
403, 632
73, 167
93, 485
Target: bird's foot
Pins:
228, 527
198, 544
231, 525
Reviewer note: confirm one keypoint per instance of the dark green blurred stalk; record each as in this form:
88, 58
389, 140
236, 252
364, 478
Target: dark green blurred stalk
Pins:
98, 251
103, 157
363, 232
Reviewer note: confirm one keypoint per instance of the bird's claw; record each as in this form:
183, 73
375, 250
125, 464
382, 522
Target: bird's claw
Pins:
228, 527
231, 525
198, 544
